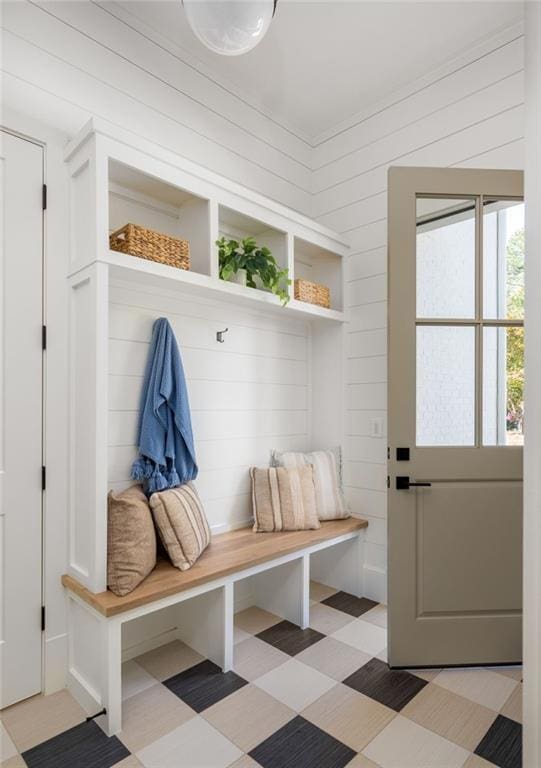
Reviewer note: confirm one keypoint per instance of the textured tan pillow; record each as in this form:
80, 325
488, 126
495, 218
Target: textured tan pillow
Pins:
327, 479
131, 540
284, 499
182, 524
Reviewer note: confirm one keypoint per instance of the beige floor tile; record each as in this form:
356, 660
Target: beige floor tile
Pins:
327, 620
514, 672
169, 660
349, 716
333, 658
295, 684
7, 747
254, 620
129, 762
360, 761
13, 762
239, 635
474, 761
480, 685
253, 658
319, 592
245, 762
135, 679
196, 743
377, 615
149, 715
403, 744
513, 706
453, 717
364, 636
248, 716
41, 717
426, 674
383, 655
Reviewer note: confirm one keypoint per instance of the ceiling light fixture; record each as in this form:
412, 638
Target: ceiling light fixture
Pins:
229, 27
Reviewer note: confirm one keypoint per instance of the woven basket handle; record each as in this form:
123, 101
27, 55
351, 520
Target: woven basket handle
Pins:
120, 234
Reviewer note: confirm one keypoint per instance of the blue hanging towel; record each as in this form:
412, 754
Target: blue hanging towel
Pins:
165, 436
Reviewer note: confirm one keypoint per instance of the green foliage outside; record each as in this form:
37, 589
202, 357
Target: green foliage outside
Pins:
515, 336
258, 262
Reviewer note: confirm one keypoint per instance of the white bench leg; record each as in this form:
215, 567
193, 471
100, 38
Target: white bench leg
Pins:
340, 566
112, 689
284, 590
205, 623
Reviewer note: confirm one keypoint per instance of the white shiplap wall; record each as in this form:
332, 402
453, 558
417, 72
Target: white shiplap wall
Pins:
468, 115
247, 395
64, 62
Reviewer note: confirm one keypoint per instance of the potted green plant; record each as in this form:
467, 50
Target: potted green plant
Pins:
246, 263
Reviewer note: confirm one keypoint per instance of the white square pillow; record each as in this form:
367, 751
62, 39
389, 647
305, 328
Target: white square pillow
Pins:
327, 466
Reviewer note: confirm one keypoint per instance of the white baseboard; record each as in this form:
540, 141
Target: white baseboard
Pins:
148, 644
375, 584
55, 663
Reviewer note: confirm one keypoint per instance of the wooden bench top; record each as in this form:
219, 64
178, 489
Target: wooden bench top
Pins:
226, 554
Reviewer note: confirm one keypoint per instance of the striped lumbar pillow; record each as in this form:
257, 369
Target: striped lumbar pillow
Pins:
181, 523
283, 499
330, 501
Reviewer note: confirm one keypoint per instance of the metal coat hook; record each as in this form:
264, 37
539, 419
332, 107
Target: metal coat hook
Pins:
220, 335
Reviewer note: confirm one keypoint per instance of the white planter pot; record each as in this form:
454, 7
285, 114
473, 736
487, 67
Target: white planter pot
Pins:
238, 277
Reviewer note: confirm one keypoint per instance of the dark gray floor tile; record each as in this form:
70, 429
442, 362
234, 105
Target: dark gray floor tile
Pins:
289, 638
394, 688
84, 746
203, 685
300, 744
355, 606
502, 743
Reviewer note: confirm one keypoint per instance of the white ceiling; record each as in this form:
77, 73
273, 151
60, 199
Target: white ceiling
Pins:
322, 62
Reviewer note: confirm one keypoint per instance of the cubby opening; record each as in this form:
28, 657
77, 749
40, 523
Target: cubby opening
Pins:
137, 198
236, 226
319, 265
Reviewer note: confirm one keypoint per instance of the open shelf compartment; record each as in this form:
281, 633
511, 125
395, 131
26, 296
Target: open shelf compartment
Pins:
137, 198
319, 265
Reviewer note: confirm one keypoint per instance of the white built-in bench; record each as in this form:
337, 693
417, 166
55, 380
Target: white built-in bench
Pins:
279, 565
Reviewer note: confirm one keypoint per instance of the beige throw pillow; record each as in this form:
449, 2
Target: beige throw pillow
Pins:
182, 524
131, 540
283, 499
327, 479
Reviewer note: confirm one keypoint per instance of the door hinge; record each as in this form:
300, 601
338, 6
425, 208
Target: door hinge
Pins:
44, 337
44, 197
388, 481
43, 618
43, 478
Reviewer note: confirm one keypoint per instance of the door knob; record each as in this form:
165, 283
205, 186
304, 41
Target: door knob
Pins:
403, 483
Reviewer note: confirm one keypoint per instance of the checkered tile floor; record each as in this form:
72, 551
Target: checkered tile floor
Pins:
323, 697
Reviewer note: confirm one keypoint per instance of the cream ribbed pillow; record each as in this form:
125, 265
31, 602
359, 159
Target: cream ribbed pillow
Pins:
181, 523
327, 479
283, 499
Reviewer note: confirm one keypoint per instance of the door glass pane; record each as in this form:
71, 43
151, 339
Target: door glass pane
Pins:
445, 385
503, 386
445, 258
503, 259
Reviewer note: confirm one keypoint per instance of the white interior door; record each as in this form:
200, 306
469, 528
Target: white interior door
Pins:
456, 375
21, 317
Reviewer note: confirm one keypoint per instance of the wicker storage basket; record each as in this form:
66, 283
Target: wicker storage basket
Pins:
151, 245
312, 293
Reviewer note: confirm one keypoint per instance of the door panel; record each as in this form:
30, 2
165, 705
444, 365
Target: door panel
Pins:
21, 164
455, 400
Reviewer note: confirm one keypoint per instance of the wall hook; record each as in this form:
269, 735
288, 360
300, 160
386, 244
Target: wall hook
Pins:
220, 335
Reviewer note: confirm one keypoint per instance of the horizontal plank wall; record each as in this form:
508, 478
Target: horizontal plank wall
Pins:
468, 115
65, 62
247, 395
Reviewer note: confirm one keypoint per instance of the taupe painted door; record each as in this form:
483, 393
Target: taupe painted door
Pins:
456, 299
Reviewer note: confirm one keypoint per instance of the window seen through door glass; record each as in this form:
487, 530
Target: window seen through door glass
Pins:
445, 385
503, 259
503, 386
445, 258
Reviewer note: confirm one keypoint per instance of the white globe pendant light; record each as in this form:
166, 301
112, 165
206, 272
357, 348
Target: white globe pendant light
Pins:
229, 27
